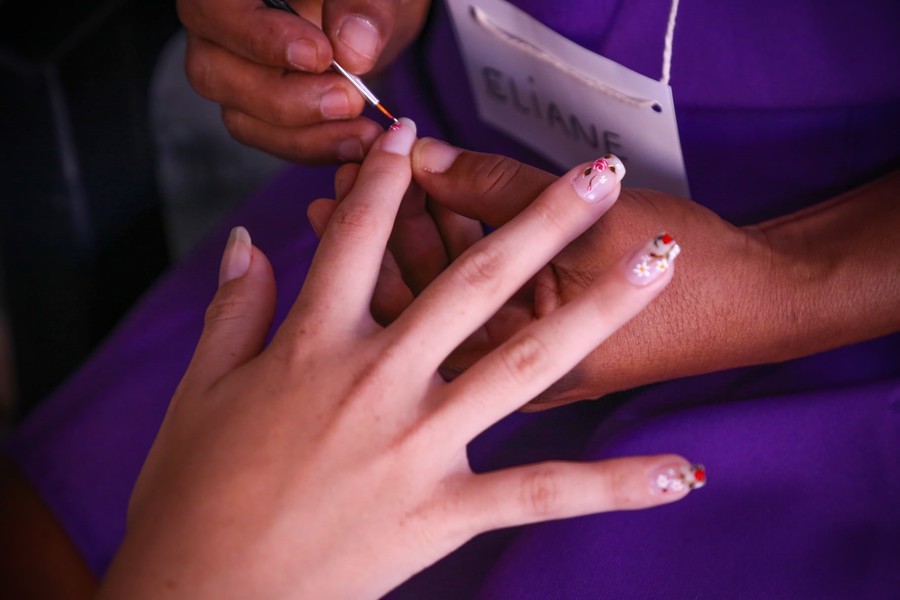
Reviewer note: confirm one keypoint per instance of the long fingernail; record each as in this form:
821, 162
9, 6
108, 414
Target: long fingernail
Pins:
335, 104
303, 55
676, 478
598, 178
647, 264
360, 34
435, 156
398, 139
236, 258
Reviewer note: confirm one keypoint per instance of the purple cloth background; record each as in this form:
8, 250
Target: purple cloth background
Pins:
780, 104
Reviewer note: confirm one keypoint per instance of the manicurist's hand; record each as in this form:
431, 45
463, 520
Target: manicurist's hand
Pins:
789, 287
332, 463
270, 70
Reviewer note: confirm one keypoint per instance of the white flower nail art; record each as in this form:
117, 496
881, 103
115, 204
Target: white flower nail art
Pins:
653, 260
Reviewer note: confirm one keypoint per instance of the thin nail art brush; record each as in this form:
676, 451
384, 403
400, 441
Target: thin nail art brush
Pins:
356, 81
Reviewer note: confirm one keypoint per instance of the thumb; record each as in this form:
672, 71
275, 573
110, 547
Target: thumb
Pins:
237, 320
488, 187
359, 30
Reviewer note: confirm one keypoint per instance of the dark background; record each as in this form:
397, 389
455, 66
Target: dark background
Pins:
81, 231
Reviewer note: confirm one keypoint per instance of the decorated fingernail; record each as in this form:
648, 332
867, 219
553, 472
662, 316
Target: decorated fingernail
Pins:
598, 178
652, 259
399, 137
677, 478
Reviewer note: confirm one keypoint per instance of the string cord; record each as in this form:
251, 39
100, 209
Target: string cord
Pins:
527, 47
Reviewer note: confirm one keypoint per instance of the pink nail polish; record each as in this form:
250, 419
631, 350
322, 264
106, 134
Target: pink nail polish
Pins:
399, 138
677, 477
598, 178
651, 260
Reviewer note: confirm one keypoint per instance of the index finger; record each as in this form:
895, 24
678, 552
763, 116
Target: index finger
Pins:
256, 32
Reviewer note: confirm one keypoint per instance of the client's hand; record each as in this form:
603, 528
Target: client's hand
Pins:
332, 463
693, 331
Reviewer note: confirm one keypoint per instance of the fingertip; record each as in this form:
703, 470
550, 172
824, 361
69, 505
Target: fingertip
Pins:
434, 156
398, 139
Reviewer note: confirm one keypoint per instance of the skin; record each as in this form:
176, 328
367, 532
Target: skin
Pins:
785, 288
332, 463
238, 56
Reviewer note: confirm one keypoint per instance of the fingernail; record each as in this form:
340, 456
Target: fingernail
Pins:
675, 478
360, 34
350, 149
646, 264
303, 55
599, 178
399, 138
335, 103
437, 157
236, 258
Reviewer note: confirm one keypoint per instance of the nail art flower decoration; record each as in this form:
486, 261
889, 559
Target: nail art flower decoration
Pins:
643, 268
595, 172
663, 251
676, 480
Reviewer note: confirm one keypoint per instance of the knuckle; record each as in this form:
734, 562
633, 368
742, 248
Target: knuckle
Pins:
540, 492
495, 176
481, 267
552, 215
227, 308
525, 357
355, 219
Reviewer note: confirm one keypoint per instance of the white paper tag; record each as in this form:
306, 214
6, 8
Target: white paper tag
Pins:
565, 102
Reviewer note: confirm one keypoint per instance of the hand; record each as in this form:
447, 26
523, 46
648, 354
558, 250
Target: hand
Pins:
691, 331
332, 463
793, 286
270, 70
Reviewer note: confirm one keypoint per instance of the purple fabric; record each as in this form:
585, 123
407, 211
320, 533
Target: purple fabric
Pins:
779, 105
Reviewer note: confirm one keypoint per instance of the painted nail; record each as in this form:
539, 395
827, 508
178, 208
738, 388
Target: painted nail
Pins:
598, 178
436, 157
360, 34
335, 104
303, 55
651, 260
236, 258
675, 478
399, 138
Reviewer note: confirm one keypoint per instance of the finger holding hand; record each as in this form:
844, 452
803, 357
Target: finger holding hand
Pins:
485, 187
